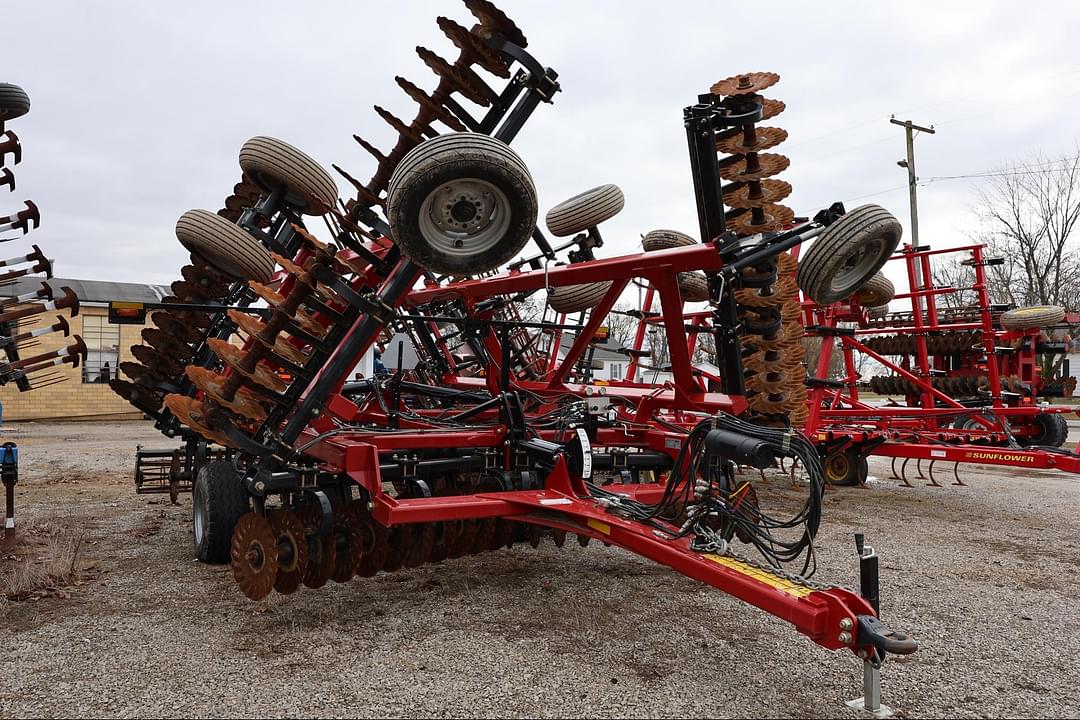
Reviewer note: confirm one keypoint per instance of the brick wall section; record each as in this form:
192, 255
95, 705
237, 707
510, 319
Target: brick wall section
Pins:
71, 399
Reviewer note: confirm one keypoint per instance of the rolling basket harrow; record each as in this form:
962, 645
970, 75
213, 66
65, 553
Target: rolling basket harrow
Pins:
496, 435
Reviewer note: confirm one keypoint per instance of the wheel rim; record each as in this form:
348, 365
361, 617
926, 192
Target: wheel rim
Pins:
837, 467
853, 271
199, 520
465, 217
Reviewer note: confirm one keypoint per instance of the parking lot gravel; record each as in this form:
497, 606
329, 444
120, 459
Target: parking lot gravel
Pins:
983, 575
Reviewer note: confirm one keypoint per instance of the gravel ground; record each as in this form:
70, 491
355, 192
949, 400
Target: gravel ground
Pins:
982, 575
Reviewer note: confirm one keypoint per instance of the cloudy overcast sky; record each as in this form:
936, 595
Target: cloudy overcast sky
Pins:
139, 108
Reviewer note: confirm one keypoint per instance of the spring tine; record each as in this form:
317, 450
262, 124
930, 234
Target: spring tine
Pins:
903, 474
918, 469
956, 474
8, 178
9, 143
892, 469
933, 482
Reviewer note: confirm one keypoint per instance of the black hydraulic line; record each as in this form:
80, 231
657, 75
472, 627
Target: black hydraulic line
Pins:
341, 362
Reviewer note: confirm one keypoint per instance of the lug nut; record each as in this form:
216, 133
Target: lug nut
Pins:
845, 624
845, 637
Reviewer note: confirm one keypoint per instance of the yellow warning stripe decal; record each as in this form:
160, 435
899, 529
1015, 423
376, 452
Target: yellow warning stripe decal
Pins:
599, 526
784, 586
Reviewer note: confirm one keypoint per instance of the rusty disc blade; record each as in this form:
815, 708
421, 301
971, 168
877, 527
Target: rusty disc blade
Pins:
288, 265
244, 402
166, 344
182, 331
375, 545
349, 545
138, 372
234, 357
559, 536
460, 78
189, 292
423, 540
758, 194
494, 21
773, 217
157, 361
277, 301
764, 138
254, 555
320, 549
292, 546
253, 327
485, 535
770, 108
742, 170
474, 48
191, 412
439, 549
583, 540
141, 397
208, 281
460, 539
400, 543
429, 105
753, 82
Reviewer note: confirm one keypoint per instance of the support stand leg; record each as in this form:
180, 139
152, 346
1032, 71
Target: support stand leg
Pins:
871, 700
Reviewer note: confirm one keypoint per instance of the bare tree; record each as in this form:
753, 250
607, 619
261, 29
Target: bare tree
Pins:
1027, 213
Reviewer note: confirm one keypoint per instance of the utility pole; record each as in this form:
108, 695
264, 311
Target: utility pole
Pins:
909, 128
909, 132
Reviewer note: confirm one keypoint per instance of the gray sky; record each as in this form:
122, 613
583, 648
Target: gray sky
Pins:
139, 108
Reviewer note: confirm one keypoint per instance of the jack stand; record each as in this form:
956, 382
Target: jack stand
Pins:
871, 699
9, 475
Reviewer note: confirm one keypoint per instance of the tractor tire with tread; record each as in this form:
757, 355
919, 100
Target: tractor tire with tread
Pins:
487, 214
585, 210
1033, 316
14, 102
218, 501
270, 162
225, 246
665, 240
576, 298
693, 286
848, 254
1052, 431
875, 292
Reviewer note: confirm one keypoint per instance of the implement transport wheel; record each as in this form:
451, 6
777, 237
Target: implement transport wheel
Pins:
14, 102
585, 210
693, 286
461, 204
876, 291
218, 501
1034, 316
846, 468
665, 240
1051, 430
575, 298
254, 554
226, 247
844, 257
271, 163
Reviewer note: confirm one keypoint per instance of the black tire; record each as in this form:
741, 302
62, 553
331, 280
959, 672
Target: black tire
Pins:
585, 210
575, 298
14, 102
693, 286
877, 312
849, 252
486, 215
1034, 316
217, 504
847, 468
270, 162
1051, 430
665, 240
225, 246
876, 291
